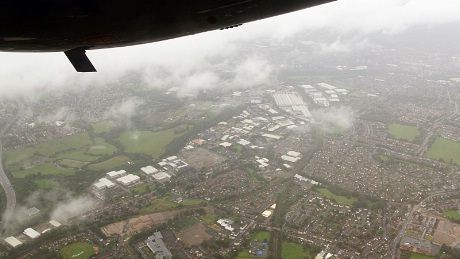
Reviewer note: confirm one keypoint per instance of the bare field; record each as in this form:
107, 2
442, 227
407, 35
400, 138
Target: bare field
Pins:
201, 158
194, 235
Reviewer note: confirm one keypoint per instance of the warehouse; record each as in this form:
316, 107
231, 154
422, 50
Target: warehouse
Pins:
148, 170
32, 233
12, 241
103, 183
116, 174
162, 177
128, 179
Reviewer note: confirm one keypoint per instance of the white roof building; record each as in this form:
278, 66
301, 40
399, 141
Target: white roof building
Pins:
289, 158
149, 170
32, 233
226, 223
128, 179
12, 241
225, 144
162, 176
55, 223
267, 213
293, 154
272, 136
244, 142
103, 183
116, 174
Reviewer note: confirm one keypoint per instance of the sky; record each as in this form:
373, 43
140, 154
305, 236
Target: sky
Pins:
189, 62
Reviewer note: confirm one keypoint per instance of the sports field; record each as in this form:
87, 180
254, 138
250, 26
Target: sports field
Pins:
79, 250
453, 215
152, 143
404, 132
349, 201
446, 150
292, 251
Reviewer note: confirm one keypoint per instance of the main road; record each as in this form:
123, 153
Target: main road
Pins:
5, 182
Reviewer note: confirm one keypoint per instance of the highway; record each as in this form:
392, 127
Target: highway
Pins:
5, 182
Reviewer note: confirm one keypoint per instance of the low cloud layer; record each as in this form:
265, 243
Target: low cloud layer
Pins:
334, 119
72, 208
349, 21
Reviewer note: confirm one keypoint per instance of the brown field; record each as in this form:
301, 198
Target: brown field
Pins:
200, 158
137, 224
194, 235
447, 233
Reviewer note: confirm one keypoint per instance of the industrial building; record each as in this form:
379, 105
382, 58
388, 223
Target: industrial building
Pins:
116, 174
157, 246
12, 241
129, 179
31, 233
148, 170
103, 183
162, 177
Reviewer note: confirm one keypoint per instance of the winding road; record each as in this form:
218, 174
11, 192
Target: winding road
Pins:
5, 182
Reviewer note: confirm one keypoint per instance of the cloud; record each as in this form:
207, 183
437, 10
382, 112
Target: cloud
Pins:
192, 60
332, 119
125, 110
73, 208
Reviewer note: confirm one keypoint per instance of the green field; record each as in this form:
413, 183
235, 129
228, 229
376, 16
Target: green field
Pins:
44, 169
420, 256
109, 164
404, 132
292, 251
445, 150
152, 143
453, 215
191, 202
102, 127
101, 148
45, 184
71, 163
210, 218
337, 198
141, 189
80, 250
261, 236
160, 204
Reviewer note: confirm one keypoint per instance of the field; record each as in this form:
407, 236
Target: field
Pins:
337, 198
261, 236
453, 215
78, 250
160, 204
109, 164
141, 189
191, 202
292, 251
445, 150
420, 256
194, 235
102, 127
44, 169
152, 143
404, 132
45, 184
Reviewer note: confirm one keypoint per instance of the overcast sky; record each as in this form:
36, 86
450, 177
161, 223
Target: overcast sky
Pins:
186, 59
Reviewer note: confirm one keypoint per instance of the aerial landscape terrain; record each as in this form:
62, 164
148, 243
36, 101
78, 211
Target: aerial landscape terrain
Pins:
289, 149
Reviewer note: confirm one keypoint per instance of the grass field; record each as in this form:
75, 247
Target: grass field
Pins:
292, 251
337, 198
445, 150
404, 132
45, 184
44, 169
261, 236
420, 256
192, 202
109, 164
80, 250
71, 163
160, 204
102, 127
453, 215
209, 218
141, 189
152, 143
101, 148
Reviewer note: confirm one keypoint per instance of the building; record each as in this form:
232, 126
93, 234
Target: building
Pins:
157, 246
129, 179
12, 241
148, 170
227, 224
55, 223
103, 183
267, 213
116, 174
31, 233
162, 177
289, 158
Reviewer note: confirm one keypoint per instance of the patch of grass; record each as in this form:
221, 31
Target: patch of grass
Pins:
261, 236
79, 250
44, 169
152, 143
420, 256
101, 148
18, 155
141, 189
102, 127
191, 202
337, 198
161, 204
245, 255
292, 251
184, 222
404, 132
445, 150
209, 218
453, 215
109, 164
71, 163
45, 184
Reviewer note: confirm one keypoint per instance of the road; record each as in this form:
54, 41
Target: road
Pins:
10, 194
